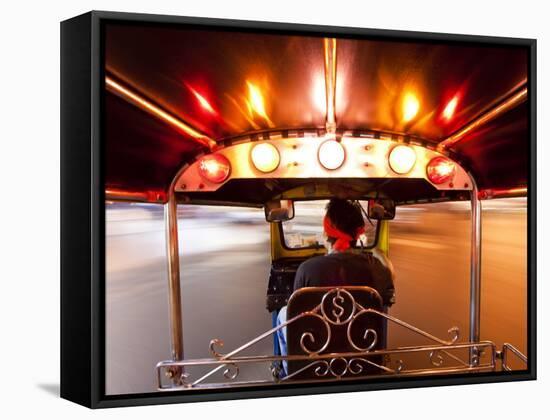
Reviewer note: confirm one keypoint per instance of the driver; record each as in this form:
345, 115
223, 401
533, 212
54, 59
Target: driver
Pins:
342, 266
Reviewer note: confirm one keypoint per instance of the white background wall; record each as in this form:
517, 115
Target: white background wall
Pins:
29, 213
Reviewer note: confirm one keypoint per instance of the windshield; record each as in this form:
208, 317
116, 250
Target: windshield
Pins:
305, 230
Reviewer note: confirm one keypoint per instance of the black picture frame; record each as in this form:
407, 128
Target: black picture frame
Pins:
83, 213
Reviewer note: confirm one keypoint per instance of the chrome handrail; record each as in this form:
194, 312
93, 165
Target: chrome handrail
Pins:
333, 366
504, 355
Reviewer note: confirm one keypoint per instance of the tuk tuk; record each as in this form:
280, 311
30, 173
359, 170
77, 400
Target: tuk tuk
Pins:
384, 140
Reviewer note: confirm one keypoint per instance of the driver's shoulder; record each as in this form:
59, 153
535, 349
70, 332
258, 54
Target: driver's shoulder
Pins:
316, 261
318, 264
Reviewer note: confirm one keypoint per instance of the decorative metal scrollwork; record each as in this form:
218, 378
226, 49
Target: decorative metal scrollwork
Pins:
308, 336
231, 371
454, 332
358, 366
323, 364
338, 367
338, 299
368, 332
216, 342
436, 358
399, 366
337, 307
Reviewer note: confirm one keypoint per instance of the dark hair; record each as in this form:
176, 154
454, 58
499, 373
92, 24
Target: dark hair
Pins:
345, 216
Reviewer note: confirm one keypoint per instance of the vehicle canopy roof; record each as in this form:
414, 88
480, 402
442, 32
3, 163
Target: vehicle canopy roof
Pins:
174, 93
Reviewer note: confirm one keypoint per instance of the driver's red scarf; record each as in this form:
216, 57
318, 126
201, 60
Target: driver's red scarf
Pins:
342, 239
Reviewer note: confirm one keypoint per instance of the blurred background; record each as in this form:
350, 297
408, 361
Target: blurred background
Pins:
225, 261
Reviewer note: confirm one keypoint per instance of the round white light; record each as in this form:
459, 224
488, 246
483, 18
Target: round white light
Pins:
331, 154
265, 157
402, 159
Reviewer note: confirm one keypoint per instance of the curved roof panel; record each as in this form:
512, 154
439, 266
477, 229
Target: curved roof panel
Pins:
227, 83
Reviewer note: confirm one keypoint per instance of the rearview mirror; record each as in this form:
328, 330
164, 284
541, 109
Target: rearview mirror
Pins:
279, 210
381, 209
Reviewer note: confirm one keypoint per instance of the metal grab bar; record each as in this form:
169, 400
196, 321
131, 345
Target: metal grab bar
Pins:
504, 355
323, 365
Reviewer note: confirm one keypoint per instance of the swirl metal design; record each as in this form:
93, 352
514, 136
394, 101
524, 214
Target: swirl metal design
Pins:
216, 342
454, 332
323, 364
358, 366
337, 367
337, 307
436, 358
319, 366
231, 371
311, 338
400, 365
368, 331
360, 362
333, 367
338, 299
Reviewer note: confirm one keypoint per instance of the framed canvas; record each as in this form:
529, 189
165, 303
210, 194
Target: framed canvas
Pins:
253, 209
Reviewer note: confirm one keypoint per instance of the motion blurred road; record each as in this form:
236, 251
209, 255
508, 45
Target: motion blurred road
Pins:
225, 263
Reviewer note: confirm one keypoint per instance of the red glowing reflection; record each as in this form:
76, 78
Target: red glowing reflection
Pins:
214, 168
203, 102
450, 108
440, 170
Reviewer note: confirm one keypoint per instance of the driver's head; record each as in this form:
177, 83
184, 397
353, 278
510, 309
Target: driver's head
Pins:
343, 223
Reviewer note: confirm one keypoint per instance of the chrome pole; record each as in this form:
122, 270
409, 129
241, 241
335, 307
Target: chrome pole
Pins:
145, 105
517, 98
174, 291
475, 273
330, 83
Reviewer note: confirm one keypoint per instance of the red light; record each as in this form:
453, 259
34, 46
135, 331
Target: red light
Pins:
440, 170
201, 99
450, 108
214, 168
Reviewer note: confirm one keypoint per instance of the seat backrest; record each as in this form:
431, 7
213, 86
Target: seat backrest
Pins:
330, 320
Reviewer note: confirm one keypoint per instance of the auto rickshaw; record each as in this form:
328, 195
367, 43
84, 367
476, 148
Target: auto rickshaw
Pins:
464, 139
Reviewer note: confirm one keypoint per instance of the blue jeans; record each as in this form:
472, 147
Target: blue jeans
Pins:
281, 337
